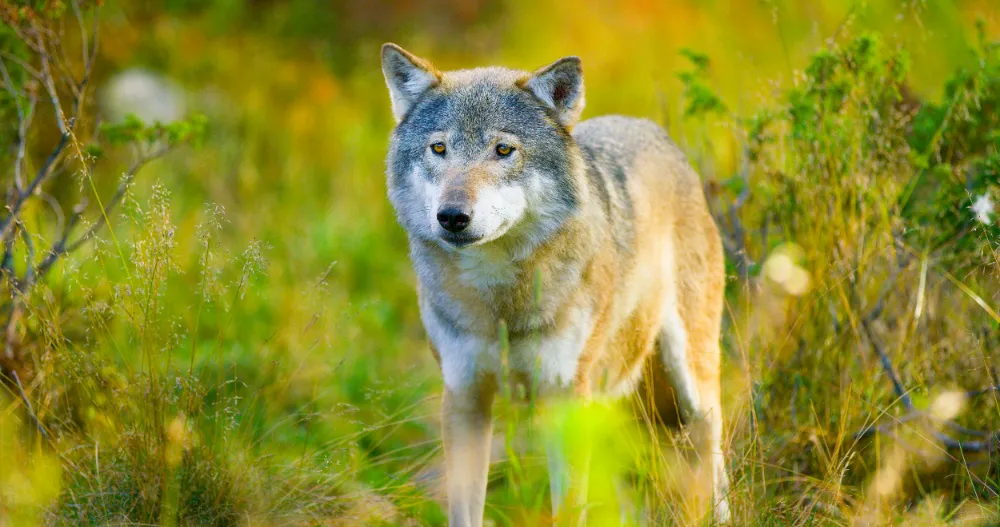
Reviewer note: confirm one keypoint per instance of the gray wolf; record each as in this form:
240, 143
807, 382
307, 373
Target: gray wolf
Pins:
496, 182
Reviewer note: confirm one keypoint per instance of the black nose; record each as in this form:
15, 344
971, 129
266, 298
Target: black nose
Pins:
453, 219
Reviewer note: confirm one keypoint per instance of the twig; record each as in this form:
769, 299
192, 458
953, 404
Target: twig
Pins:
7, 263
41, 39
22, 196
735, 243
990, 440
29, 276
24, 122
66, 127
56, 209
897, 385
983, 391
870, 430
27, 403
83, 30
63, 245
35, 74
9, 328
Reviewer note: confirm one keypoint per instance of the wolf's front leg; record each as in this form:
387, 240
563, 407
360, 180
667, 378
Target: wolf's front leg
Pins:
467, 419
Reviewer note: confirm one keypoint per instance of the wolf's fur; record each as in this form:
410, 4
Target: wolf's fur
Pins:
605, 217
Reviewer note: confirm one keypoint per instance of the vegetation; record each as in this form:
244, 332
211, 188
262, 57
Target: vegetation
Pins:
210, 319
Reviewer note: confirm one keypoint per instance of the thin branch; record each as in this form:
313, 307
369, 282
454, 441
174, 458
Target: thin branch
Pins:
83, 30
734, 243
17, 287
887, 287
990, 440
897, 385
976, 393
29, 273
67, 130
7, 263
22, 140
42, 175
50, 87
40, 39
27, 404
23, 37
872, 429
95, 35
24, 122
64, 246
10, 328
56, 209
990, 443
88, 57
35, 74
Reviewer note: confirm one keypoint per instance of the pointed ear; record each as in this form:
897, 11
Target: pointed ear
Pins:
407, 76
560, 86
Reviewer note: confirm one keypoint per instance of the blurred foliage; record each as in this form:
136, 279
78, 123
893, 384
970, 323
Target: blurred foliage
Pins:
30, 476
133, 130
701, 98
957, 143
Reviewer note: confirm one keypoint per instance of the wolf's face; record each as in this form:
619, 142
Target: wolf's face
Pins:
483, 154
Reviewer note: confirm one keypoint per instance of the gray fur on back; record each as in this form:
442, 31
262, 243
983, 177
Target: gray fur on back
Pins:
611, 145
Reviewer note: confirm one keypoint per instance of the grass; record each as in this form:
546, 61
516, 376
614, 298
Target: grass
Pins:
246, 348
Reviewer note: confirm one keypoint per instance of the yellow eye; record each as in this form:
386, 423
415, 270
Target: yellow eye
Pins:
438, 148
504, 150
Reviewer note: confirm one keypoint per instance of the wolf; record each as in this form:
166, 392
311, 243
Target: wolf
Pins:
578, 256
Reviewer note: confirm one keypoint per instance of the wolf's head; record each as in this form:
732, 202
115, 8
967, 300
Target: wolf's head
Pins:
483, 154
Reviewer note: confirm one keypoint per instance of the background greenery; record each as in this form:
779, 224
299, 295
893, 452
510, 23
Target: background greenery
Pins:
245, 349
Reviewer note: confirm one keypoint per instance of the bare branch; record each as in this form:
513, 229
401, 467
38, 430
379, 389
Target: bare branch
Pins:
989, 442
24, 122
66, 127
56, 209
35, 74
83, 32
897, 385
50, 74
64, 246
95, 35
43, 174
29, 274
27, 404
22, 140
24, 37
976, 393
50, 87
7, 263
734, 243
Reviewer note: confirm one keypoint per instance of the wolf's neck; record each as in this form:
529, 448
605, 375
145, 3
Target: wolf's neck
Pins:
487, 267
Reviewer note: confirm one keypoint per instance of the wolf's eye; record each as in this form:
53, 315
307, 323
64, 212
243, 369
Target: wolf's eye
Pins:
438, 148
504, 150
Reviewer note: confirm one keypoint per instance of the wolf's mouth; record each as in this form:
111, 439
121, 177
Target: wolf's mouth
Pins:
459, 239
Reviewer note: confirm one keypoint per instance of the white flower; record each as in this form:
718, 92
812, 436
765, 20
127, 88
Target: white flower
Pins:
983, 207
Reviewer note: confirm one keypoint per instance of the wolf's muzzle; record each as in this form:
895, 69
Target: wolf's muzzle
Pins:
453, 219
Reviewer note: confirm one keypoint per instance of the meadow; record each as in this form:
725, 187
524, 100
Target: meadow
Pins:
211, 319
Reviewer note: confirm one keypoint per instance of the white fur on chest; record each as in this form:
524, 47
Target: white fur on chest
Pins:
485, 267
551, 358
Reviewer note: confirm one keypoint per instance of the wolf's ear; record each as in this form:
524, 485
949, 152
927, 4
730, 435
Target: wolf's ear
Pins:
407, 76
560, 86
